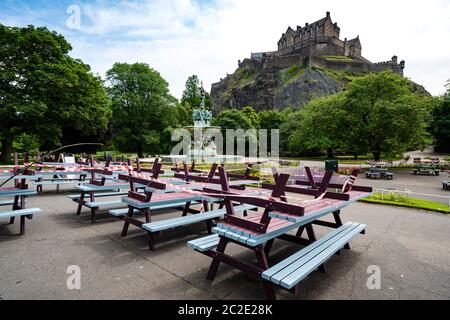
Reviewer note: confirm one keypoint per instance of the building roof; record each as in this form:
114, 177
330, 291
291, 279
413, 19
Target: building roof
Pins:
354, 42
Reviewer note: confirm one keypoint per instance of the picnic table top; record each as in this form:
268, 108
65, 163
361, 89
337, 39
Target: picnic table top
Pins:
20, 177
282, 223
109, 186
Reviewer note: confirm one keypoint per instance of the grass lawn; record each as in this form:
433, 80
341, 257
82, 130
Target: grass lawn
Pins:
337, 58
347, 159
394, 199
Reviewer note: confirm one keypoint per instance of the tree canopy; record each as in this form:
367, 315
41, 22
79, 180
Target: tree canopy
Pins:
44, 93
144, 112
377, 113
440, 127
191, 94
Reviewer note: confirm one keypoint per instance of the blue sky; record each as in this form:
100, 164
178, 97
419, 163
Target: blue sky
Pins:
208, 37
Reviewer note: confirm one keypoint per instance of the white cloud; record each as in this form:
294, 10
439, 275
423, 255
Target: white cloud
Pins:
184, 37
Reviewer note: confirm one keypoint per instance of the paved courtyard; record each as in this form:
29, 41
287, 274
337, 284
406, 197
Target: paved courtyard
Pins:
411, 247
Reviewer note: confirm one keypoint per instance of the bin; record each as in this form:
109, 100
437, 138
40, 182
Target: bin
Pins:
331, 165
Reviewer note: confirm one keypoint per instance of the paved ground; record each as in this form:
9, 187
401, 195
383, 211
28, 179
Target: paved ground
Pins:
412, 249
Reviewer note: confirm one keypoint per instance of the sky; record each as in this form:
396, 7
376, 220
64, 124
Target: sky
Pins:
179, 38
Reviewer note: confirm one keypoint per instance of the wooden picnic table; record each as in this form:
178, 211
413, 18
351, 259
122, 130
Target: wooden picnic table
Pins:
175, 196
379, 173
278, 224
18, 205
426, 170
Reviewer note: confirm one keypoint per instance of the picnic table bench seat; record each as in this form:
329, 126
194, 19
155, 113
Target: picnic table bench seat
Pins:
98, 204
58, 182
19, 213
11, 191
154, 206
205, 243
289, 272
98, 195
161, 198
6, 203
187, 220
87, 187
22, 214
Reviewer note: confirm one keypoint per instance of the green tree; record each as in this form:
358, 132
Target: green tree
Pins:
191, 93
273, 120
143, 109
252, 115
440, 126
383, 115
44, 93
377, 113
318, 126
232, 119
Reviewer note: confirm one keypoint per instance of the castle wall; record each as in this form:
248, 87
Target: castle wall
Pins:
332, 47
282, 62
353, 66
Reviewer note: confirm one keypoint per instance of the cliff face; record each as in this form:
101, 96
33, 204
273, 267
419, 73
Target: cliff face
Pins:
292, 85
289, 87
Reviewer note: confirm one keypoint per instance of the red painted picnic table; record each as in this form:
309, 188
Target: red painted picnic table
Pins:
257, 232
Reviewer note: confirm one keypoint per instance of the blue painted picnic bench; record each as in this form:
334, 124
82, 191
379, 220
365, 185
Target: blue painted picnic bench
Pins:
289, 272
23, 214
5, 203
258, 232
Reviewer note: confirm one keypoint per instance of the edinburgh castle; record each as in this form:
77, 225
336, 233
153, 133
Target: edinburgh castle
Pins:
315, 51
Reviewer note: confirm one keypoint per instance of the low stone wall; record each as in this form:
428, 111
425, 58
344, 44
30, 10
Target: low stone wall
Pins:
353, 66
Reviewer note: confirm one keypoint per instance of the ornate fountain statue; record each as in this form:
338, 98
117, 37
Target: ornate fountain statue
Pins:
204, 146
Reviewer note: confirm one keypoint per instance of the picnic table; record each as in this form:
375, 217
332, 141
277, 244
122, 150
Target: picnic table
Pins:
446, 185
259, 231
379, 173
180, 196
19, 195
426, 171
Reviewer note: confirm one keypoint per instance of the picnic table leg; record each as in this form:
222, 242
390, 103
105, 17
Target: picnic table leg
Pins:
151, 241
148, 218
127, 223
80, 203
209, 226
186, 209
22, 202
338, 220
215, 263
300, 231
268, 246
261, 256
39, 187
310, 231
16, 203
12, 220
22, 225
93, 209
